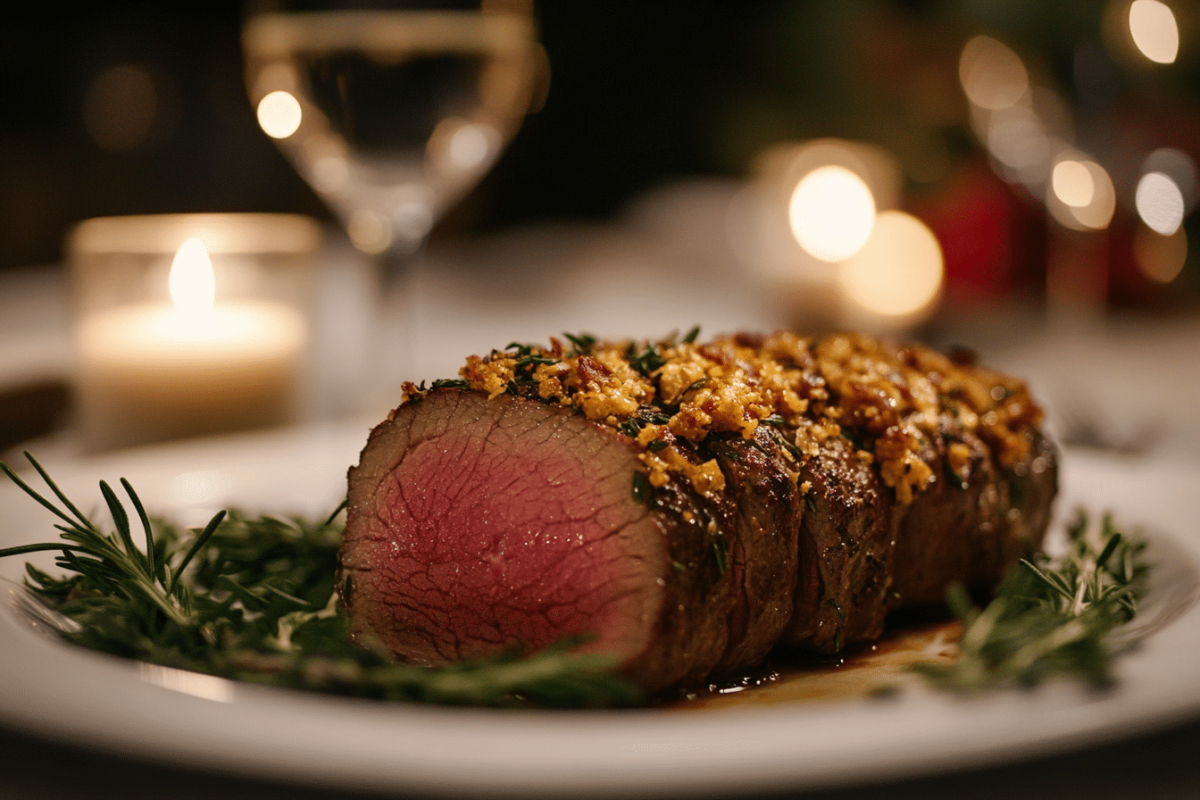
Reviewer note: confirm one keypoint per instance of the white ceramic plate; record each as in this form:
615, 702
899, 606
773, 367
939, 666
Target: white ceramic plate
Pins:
102, 702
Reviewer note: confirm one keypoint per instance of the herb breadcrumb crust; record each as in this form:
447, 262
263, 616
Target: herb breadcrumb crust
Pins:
891, 400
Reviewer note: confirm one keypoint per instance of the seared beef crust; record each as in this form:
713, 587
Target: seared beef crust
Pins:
546, 496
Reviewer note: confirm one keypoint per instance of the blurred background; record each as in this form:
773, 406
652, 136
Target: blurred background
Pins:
987, 171
133, 108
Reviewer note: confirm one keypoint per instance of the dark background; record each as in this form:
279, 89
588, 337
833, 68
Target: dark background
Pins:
640, 92
635, 89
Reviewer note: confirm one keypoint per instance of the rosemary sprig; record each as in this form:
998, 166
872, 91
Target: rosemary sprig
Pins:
1050, 616
253, 599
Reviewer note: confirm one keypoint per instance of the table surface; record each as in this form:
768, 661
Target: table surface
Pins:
1124, 380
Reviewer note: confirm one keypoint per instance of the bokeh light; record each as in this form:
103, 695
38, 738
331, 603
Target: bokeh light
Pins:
1154, 30
992, 75
279, 114
1180, 168
1159, 203
470, 146
1160, 258
458, 145
831, 213
898, 273
1072, 182
1080, 194
369, 231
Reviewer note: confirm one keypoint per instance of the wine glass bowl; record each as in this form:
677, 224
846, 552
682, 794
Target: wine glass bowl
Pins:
392, 115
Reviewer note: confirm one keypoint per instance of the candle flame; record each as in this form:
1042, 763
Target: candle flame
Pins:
191, 282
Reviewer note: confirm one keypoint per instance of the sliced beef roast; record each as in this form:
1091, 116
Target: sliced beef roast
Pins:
476, 526
688, 507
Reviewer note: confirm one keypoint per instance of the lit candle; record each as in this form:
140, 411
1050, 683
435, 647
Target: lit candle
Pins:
151, 371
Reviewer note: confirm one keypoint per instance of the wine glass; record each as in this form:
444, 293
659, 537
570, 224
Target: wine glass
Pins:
392, 113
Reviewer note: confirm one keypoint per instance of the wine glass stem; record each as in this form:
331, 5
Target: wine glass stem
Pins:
397, 337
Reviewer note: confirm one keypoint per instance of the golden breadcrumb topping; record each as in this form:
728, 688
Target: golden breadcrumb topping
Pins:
893, 401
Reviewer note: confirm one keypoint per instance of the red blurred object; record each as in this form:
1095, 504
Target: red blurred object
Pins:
984, 231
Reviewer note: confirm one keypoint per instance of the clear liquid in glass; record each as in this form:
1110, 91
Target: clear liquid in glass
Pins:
400, 112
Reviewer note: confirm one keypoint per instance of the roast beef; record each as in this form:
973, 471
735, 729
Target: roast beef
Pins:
795, 492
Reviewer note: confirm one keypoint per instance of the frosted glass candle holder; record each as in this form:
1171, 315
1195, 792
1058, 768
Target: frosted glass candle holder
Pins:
189, 325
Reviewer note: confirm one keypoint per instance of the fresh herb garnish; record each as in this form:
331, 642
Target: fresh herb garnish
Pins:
642, 490
652, 415
533, 361
720, 548
646, 360
645, 415
582, 342
1050, 616
253, 599
953, 477
522, 349
631, 427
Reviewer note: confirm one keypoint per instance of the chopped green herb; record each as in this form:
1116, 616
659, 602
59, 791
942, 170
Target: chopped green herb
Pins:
652, 415
642, 490
582, 342
656, 445
522, 349
952, 477
837, 607
718, 546
631, 427
782, 441
691, 335
646, 360
528, 361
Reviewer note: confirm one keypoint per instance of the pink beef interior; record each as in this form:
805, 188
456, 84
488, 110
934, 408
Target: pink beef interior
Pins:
476, 526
